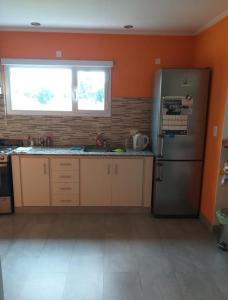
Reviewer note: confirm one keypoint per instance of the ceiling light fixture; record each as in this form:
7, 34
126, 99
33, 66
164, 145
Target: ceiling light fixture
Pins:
128, 26
36, 24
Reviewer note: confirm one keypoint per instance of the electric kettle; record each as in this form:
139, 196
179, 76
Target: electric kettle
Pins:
140, 141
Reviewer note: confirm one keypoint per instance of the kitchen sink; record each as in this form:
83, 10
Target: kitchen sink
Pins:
94, 148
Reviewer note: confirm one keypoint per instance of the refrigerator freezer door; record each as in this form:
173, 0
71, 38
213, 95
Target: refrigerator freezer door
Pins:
178, 83
177, 186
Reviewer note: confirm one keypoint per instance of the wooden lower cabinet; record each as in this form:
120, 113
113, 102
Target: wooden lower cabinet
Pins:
127, 182
95, 181
85, 181
116, 182
35, 183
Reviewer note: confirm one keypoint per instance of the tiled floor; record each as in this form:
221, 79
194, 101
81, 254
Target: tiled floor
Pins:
110, 257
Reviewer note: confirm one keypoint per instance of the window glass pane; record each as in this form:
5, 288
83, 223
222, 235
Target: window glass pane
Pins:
91, 90
41, 89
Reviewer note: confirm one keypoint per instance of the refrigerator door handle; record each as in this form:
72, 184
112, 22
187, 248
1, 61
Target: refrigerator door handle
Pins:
159, 177
161, 136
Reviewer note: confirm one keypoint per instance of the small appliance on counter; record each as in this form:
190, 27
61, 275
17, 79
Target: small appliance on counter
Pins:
140, 141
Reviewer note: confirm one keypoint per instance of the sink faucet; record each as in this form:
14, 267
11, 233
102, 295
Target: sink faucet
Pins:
100, 140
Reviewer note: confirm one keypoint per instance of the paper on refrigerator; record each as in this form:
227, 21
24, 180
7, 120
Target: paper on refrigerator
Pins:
175, 114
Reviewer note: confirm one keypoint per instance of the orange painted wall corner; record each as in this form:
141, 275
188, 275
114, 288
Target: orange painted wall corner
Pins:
211, 49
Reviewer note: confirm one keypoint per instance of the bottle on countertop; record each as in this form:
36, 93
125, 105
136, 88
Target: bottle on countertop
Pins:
48, 141
30, 141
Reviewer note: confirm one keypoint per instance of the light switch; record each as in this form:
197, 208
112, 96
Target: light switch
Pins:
59, 53
215, 131
157, 61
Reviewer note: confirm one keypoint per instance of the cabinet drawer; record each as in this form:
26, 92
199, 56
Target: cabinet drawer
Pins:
68, 188
67, 164
65, 176
65, 200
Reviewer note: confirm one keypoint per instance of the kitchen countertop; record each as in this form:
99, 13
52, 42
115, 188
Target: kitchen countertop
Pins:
72, 151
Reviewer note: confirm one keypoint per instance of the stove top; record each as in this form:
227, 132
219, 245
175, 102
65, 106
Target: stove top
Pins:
5, 152
6, 149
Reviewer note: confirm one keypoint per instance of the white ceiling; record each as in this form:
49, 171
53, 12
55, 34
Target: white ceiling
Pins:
147, 16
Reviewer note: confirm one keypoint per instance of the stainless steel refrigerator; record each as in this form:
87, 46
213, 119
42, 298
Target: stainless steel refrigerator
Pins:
179, 120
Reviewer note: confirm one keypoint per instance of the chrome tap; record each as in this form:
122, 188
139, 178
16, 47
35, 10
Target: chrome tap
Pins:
100, 140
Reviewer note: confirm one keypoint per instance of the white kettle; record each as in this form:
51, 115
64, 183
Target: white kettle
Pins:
140, 141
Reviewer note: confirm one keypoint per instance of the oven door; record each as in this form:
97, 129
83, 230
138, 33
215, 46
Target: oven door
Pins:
6, 191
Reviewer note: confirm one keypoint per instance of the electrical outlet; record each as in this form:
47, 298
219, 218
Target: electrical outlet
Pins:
157, 61
215, 131
58, 53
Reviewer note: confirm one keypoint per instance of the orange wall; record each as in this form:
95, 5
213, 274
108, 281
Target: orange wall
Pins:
133, 55
211, 49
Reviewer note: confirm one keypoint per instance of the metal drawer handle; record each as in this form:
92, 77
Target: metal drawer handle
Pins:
116, 169
45, 168
65, 176
65, 189
66, 200
109, 169
65, 164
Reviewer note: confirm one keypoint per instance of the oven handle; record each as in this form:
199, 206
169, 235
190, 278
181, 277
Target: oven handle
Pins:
3, 165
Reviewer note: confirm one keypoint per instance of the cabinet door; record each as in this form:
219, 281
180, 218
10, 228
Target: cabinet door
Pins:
95, 181
35, 181
127, 182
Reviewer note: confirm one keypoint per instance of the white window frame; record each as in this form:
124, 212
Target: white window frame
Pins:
75, 65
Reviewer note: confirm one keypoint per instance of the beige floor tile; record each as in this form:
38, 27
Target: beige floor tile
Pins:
86, 265
83, 287
45, 286
163, 286
198, 285
88, 246
122, 286
121, 263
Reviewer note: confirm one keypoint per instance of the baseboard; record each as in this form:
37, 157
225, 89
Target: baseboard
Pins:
82, 209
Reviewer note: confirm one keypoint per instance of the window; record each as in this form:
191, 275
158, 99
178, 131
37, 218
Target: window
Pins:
58, 87
91, 90
40, 89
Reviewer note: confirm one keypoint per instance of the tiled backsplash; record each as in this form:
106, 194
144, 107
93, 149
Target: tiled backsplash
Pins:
127, 113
